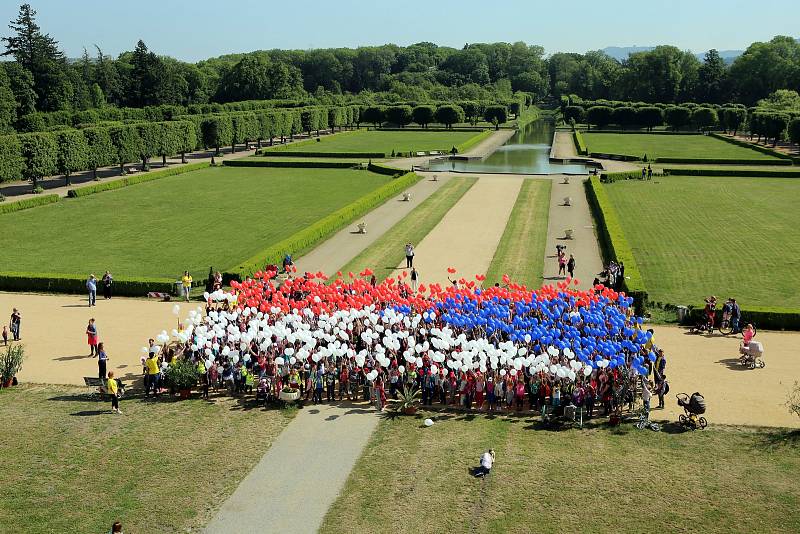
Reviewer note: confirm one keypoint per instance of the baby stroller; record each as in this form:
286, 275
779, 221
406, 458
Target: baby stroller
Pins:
752, 355
693, 408
264, 390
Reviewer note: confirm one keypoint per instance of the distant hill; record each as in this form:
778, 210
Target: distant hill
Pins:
621, 53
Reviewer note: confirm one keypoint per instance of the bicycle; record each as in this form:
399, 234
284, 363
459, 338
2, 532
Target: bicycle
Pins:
645, 422
726, 326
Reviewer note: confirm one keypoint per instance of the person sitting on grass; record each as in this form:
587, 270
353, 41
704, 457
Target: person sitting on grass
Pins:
486, 463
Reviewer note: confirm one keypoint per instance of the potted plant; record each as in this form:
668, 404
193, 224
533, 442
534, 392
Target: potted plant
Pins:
289, 394
183, 376
11, 363
407, 401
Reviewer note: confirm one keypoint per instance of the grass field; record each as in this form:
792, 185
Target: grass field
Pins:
384, 255
416, 479
211, 217
164, 466
520, 253
699, 236
384, 142
669, 146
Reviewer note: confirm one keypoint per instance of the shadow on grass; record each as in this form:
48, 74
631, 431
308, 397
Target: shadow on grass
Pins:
89, 413
780, 438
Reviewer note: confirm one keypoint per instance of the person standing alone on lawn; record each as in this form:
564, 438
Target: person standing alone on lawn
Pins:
16, 322
107, 280
571, 266
91, 336
91, 286
409, 255
186, 282
113, 389
102, 359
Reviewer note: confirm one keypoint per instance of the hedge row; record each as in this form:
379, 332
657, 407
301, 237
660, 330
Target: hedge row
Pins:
640, 131
618, 157
309, 154
62, 283
384, 169
247, 162
717, 161
28, 203
613, 242
322, 229
580, 144
611, 177
766, 318
135, 179
757, 173
752, 146
473, 141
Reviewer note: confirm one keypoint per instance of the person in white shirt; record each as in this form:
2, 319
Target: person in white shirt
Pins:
646, 394
409, 255
487, 461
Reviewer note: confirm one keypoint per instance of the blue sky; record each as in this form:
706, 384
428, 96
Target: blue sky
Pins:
193, 30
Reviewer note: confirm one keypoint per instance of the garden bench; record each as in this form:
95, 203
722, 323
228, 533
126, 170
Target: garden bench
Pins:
567, 201
419, 153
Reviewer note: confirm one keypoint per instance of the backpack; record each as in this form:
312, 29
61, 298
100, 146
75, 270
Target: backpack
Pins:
666, 387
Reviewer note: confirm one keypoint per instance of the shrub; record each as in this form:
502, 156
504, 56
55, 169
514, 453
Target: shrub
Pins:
28, 203
449, 115
12, 165
624, 116
400, 115
11, 362
311, 235
495, 115
703, 118
649, 117
423, 115
182, 375
611, 177
613, 241
295, 154
76, 284
713, 161
751, 146
756, 173
580, 144
677, 116
576, 113
599, 115
373, 114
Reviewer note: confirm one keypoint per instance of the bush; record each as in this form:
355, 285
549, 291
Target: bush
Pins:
182, 375
400, 115
423, 115
576, 113
703, 118
599, 115
28, 203
580, 144
134, 179
495, 115
11, 362
677, 116
311, 235
611, 177
76, 284
613, 242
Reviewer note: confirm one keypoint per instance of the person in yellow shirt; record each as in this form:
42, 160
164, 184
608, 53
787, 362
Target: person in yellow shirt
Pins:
152, 376
113, 389
187, 284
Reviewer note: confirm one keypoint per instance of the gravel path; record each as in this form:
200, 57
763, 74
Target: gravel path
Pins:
301, 475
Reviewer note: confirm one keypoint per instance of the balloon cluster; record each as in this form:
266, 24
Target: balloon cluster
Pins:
556, 329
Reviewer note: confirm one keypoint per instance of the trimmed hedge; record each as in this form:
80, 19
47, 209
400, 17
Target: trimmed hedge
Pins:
246, 162
385, 169
28, 203
618, 157
580, 144
757, 173
613, 242
473, 141
752, 146
287, 153
136, 179
611, 177
717, 161
763, 318
322, 229
64, 283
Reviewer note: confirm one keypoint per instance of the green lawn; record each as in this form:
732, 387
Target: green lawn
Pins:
384, 142
697, 236
416, 479
69, 465
669, 146
210, 217
520, 253
384, 255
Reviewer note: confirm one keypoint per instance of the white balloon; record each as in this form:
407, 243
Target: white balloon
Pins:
428, 422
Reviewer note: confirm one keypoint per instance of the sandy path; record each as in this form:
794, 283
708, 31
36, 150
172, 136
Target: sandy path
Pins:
563, 146
346, 244
734, 394
483, 149
54, 326
578, 217
467, 236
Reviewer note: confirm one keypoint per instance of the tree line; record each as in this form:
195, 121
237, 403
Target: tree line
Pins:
41, 79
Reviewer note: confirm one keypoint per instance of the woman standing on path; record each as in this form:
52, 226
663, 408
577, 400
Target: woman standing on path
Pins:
571, 266
414, 277
409, 255
102, 359
108, 281
186, 282
91, 334
562, 263
16, 322
113, 390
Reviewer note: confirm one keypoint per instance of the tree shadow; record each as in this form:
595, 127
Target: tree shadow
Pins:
780, 438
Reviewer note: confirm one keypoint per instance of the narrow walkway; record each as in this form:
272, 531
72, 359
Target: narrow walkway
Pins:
301, 475
563, 146
578, 217
484, 149
467, 237
346, 244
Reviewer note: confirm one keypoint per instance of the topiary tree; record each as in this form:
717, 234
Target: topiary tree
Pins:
703, 118
677, 117
400, 115
149, 142
125, 139
12, 165
649, 117
423, 115
624, 116
599, 115
775, 127
40, 154
73, 153
472, 111
100, 149
373, 114
733, 118
515, 108
793, 131
496, 115
574, 113
168, 140
217, 131
186, 136
449, 115
244, 128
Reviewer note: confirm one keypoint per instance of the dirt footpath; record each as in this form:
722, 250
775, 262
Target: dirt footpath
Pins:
734, 394
54, 326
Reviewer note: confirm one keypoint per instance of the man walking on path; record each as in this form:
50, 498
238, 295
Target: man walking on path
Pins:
571, 266
91, 286
186, 281
16, 322
409, 255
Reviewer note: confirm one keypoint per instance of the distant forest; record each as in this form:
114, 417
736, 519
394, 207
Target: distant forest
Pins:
39, 77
